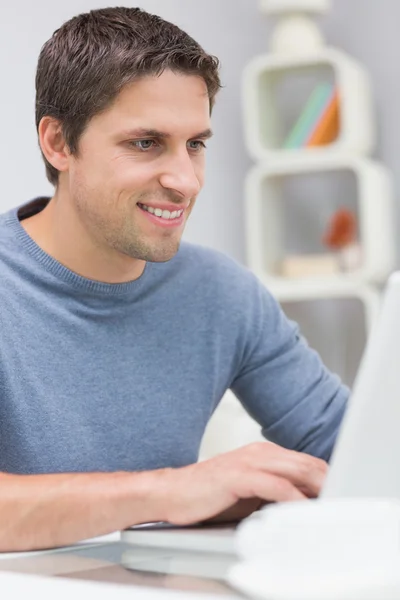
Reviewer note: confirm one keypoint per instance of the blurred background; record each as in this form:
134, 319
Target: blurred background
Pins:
236, 31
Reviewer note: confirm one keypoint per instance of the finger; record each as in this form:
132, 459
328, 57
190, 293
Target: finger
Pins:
269, 449
302, 474
269, 487
242, 509
308, 492
303, 470
318, 463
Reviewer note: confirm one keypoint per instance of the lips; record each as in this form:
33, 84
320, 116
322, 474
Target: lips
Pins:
165, 206
158, 212
163, 221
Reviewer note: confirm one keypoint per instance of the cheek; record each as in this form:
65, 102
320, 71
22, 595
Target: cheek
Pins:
199, 169
88, 175
130, 175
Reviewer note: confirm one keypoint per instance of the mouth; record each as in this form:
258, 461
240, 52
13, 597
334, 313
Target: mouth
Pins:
163, 218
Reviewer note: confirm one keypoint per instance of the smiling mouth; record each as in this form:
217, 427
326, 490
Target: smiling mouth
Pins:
165, 215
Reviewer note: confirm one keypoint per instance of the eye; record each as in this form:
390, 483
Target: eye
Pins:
196, 145
143, 145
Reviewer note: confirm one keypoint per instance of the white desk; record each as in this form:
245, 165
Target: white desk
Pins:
120, 563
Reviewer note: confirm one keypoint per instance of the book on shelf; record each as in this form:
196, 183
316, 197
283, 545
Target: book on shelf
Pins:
318, 123
327, 127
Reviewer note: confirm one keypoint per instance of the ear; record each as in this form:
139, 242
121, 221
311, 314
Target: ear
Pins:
53, 144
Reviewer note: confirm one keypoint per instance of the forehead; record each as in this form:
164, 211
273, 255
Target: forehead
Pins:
171, 102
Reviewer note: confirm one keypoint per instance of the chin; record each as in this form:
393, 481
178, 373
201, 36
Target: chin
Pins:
161, 254
162, 257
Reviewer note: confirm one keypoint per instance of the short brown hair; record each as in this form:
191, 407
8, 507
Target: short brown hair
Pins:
90, 58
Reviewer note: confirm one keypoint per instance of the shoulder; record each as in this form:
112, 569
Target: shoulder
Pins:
223, 278
214, 264
8, 221
234, 298
6, 218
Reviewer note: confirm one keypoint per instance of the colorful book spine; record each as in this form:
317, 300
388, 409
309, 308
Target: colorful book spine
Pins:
314, 109
326, 130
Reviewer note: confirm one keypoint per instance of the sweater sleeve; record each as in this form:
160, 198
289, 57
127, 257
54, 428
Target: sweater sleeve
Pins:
282, 382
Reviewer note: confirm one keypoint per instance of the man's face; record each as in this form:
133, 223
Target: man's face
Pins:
144, 155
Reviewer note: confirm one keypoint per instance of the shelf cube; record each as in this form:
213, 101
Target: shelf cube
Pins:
276, 89
268, 217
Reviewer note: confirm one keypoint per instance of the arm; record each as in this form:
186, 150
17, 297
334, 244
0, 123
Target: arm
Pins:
46, 511
283, 383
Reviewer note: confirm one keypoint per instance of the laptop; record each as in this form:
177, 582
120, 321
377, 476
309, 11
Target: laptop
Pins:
366, 457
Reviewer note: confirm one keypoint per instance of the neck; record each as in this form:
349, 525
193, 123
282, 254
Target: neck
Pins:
58, 230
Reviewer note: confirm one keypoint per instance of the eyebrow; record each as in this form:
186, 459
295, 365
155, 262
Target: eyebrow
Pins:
154, 133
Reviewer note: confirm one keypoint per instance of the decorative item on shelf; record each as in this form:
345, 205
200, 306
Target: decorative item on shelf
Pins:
341, 236
309, 265
295, 28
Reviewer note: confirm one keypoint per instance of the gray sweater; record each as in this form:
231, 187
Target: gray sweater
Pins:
106, 377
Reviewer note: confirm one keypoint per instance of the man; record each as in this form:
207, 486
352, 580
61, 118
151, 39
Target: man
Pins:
117, 340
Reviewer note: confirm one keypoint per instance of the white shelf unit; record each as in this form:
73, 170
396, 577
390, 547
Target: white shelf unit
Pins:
276, 88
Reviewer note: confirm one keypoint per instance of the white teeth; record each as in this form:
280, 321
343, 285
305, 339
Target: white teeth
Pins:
164, 214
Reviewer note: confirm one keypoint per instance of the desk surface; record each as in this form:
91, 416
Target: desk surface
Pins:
121, 563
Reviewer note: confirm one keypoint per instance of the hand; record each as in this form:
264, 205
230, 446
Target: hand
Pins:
232, 485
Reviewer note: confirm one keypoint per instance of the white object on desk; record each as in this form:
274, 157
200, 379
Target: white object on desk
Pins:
337, 549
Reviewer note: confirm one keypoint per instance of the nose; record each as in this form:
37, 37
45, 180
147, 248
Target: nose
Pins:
180, 175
